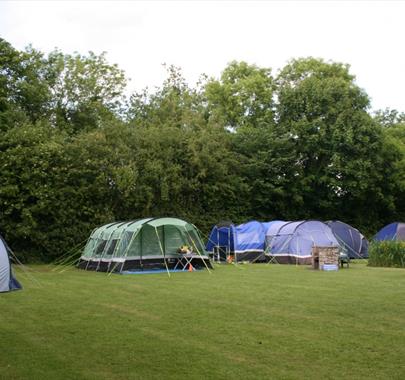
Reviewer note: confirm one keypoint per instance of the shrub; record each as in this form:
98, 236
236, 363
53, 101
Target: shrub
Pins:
387, 254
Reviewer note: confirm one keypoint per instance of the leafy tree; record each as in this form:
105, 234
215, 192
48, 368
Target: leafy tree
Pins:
74, 154
242, 97
24, 92
73, 92
56, 189
242, 102
190, 169
340, 158
30, 156
394, 138
268, 168
389, 117
86, 90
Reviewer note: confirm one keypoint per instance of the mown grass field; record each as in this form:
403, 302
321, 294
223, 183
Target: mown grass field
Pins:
248, 322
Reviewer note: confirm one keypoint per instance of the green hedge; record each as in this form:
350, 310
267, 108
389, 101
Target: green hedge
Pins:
387, 254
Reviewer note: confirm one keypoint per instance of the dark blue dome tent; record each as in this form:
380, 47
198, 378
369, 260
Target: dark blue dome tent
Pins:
292, 242
221, 241
7, 279
245, 242
393, 231
351, 240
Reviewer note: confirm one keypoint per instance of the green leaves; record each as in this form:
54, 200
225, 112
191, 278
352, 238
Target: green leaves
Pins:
338, 144
74, 154
242, 97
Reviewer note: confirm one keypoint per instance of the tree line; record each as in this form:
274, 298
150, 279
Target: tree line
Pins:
77, 152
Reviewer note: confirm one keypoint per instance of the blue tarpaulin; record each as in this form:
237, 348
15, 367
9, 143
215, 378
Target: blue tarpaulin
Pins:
249, 236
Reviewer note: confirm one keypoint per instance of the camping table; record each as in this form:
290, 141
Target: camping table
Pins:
184, 261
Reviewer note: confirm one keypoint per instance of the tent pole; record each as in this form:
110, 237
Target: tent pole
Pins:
259, 257
129, 245
208, 237
69, 265
228, 247
101, 254
195, 246
89, 238
113, 269
67, 260
234, 250
94, 248
92, 252
62, 258
263, 253
107, 246
217, 253
116, 249
140, 253
125, 254
200, 235
163, 252
24, 269
340, 241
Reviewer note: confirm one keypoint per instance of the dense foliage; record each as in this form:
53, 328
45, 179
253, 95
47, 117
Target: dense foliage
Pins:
387, 254
76, 153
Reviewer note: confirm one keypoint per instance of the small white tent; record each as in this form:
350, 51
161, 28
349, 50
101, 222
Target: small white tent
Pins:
7, 280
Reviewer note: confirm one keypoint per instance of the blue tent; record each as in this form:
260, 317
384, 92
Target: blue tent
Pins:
292, 242
244, 242
393, 231
221, 240
272, 231
7, 280
352, 242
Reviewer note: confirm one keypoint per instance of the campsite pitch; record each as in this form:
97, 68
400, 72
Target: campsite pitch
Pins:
251, 321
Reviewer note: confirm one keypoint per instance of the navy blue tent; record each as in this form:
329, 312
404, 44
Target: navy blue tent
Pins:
7, 280
244, 242
393, 231
292, 242
221, 240
352, 242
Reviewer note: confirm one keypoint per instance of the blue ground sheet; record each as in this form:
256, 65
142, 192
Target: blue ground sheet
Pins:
153, 271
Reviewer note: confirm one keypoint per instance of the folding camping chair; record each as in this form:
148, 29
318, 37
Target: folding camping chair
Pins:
184, 261
344, 258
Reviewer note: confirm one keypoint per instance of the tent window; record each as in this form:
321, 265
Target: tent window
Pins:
173, 239
100, 247
111, 247
134, 248
149, 243
88, 250
124, 242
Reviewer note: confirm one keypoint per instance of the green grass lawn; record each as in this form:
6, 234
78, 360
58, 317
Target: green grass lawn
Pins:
248, 322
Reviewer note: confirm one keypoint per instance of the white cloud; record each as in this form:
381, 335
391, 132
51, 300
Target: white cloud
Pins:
205, 36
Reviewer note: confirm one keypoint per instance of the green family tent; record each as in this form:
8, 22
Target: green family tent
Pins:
144, 244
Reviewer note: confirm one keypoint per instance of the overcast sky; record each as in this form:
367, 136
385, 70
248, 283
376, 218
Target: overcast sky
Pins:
202, 37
